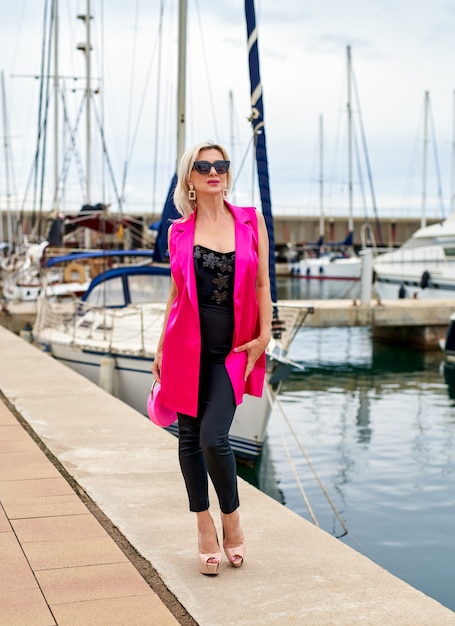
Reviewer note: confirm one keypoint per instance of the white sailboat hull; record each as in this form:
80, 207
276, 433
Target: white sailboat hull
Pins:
328, 268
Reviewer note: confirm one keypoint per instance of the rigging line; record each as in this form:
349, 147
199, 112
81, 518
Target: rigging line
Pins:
46, 109
307, 459
130, 99
367, 156
40, 115
71, 147
291, 463
9, 163
242, 163
34, 167
157, 105
359, 174
436, 161
13, 175
106, 154
141, 108
204, 51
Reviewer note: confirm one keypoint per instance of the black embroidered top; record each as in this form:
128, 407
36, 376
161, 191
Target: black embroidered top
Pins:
214, 276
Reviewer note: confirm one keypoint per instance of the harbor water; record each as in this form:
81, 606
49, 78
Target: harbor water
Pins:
375, 426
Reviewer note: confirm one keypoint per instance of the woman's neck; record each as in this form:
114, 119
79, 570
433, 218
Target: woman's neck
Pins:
211, 209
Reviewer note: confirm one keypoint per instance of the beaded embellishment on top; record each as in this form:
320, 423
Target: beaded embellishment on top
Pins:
221, 268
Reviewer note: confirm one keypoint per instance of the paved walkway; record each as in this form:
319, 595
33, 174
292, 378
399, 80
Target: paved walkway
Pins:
58, 565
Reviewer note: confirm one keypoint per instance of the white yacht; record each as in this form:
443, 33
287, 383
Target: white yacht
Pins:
423, 267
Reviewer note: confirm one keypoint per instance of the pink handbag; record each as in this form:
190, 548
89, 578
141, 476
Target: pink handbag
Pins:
157, 412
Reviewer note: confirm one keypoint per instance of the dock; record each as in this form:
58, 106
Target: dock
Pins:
95, 528
412, 322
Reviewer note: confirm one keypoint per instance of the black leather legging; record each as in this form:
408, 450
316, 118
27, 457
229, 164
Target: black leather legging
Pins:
204, 446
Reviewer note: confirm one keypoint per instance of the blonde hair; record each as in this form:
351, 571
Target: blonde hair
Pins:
183, 205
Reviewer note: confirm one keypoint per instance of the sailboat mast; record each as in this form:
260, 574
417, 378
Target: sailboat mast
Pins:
232, 133
349, 114
321, 178
88, 110
160, 253
56, 125
7, 172
452, 195
87, 48
257, 121
423, 220
181, 86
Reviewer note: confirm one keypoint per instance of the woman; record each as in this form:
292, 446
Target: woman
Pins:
216, 328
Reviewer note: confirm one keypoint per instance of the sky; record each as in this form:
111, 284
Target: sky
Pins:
399, 51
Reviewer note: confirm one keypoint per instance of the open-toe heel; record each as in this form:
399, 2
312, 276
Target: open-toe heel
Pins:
209, 563
236, 555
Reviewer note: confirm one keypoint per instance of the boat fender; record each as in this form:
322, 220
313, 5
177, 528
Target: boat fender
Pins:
321, 270
74, 267
373, 277
107, 374
402, 293
308, 271
425, 280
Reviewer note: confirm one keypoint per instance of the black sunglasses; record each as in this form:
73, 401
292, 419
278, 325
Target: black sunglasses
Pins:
204, 167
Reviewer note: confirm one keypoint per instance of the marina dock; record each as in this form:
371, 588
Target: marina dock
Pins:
415, 323
95, 528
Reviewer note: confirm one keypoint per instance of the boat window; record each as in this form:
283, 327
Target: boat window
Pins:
148, 288
418, 242
109, 293
449, 251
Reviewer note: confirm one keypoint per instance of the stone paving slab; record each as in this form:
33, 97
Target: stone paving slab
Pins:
57, 563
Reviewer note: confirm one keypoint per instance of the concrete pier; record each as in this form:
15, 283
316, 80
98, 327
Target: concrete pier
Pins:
415, 323
128, 469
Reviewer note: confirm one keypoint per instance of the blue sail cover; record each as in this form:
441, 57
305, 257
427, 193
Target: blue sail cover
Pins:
170, 213
257, 121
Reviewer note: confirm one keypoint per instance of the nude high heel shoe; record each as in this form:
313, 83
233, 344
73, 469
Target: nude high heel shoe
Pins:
236, 555
209, 563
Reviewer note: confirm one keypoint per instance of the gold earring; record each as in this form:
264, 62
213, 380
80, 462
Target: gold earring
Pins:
225, 193
191, 193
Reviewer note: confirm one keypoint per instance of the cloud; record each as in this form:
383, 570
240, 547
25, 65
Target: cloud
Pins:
399, 50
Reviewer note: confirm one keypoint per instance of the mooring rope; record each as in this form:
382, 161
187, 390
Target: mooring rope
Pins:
291, 463
273, 399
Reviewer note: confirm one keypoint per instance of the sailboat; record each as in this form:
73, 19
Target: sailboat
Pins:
424, 266
112, 336
23, 268
334, 261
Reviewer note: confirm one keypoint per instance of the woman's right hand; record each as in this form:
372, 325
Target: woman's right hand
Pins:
156, 366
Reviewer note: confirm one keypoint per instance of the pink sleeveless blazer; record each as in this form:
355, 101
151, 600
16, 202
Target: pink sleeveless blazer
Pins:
182, 342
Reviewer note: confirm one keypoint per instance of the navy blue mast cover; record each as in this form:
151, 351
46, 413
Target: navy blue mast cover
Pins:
257, 121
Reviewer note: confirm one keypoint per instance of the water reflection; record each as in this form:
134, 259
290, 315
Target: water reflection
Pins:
364, 429
306, 289
263, 475
449, 377
378, 423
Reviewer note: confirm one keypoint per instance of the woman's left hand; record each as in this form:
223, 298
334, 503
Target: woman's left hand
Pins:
254, 349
